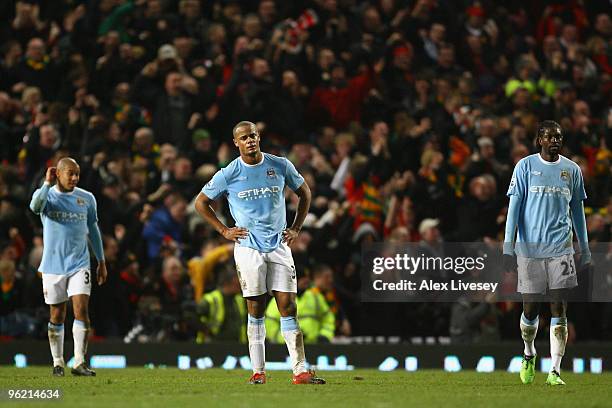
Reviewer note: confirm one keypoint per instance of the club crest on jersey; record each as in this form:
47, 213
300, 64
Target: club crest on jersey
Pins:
80, 201
271, 173
564, 175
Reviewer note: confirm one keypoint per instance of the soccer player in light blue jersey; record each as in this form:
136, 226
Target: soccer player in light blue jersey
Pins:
546, 202
69, 217
254, 185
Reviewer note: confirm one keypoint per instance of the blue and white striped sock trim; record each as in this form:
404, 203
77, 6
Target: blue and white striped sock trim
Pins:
55, 326
79, 323
558, 321
257, 321
288, 323
528, 322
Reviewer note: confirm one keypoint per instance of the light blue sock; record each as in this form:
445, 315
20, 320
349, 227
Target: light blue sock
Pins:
288, 323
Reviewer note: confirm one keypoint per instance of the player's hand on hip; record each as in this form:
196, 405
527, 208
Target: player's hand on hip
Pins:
235, 233
102, 273
509, 263
51, 175
289, 235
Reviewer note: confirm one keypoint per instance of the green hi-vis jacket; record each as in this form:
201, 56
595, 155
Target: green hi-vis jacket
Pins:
314, 315
216, 315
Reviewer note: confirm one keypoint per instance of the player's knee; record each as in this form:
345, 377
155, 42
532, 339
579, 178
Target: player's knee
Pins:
57, 315
557, 309
288, 309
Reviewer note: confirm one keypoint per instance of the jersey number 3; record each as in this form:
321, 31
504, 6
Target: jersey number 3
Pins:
87, 277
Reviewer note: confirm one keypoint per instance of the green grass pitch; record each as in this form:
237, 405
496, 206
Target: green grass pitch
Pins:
139, 387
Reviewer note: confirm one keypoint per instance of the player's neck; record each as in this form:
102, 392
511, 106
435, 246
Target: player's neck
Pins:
252, 160
549, 157
62, 189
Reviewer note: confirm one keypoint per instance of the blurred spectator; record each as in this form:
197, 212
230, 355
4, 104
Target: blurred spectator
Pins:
222, 312
164, 227
317, 319
467, 320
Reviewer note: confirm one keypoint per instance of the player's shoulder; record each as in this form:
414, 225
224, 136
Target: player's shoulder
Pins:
82, 193
232, 169
527, 161
273, 159
570, 163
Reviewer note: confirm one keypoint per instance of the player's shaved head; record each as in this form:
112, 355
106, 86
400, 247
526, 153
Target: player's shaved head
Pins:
246, 139
244, 123
68, 174
66, 163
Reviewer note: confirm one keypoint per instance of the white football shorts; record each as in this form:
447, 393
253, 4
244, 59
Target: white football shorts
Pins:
537, 275
264, 272
59, 288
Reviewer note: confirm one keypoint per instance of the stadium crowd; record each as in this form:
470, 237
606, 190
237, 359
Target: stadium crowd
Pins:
405, 117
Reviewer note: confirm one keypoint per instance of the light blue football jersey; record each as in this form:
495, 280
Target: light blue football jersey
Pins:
256, 197
545, 190
66, 219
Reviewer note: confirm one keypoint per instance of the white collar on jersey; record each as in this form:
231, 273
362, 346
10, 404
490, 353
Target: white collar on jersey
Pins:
253, 165
547, 162
61, 192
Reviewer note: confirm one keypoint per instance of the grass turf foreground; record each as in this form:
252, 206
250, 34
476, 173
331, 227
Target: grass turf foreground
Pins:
139, 387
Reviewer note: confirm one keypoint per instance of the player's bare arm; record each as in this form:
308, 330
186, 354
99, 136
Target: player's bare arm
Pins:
203, 208
291, 233
101, 272
51, 175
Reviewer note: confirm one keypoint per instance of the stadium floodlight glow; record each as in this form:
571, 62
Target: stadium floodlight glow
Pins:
515, 364
389, 364
245, 363
229, 363
486, 364
452, 364
578, 365
279, 365
21, 361
108, 361
184, 362
596, 365
204, 363
411, 363
545, 364
340, 363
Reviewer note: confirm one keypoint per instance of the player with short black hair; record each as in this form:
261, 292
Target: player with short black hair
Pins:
69, 216
254, 185
546, 201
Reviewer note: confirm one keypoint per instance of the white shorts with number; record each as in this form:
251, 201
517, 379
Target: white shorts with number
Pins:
58, 288
537, 275
264, 272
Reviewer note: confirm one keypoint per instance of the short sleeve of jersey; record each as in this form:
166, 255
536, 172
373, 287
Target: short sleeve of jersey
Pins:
518, 182
292, 178
216, 186
578, 192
